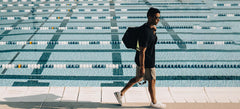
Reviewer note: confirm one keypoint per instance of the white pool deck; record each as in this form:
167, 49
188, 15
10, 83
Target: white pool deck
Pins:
102, 97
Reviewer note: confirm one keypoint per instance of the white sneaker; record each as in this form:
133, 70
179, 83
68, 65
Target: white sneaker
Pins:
118, 97
158, 105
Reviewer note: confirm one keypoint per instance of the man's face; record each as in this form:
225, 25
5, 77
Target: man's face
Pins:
155, 19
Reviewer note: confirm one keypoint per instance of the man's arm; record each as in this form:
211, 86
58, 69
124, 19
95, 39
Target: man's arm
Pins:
142, 59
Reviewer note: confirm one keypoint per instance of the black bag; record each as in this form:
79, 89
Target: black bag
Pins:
130, 37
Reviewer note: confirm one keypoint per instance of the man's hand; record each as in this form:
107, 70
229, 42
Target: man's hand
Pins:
142, 60
154, 29
142, 71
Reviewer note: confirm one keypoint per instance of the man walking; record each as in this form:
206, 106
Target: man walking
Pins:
145, 59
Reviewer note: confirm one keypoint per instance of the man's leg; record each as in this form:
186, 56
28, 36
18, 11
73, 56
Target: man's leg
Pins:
119, 95
130, 84
152, 91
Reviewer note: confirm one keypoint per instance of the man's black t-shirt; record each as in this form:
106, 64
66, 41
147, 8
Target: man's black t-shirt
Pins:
147, 39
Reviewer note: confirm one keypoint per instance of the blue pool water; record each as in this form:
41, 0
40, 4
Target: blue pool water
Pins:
78, 42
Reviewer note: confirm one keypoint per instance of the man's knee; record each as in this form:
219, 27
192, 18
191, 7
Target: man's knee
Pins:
139, 78
152, 82
136, 79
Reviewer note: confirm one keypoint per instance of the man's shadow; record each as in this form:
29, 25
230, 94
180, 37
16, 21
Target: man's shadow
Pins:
51, 101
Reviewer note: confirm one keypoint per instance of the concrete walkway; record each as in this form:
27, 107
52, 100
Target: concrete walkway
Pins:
102, 97
87, 105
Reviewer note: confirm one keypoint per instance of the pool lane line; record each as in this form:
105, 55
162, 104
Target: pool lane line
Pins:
113, 78
127, 61
113, 66
8, 6
116, 57
121, 33
114, 50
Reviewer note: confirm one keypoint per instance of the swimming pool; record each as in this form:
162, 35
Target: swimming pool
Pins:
78, 42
